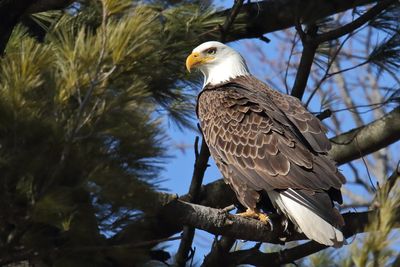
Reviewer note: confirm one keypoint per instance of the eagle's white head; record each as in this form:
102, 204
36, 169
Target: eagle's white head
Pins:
217, 61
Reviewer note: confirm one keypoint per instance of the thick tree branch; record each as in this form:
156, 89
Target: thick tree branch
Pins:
276, 259
367, 139
269, 16
12, 11
219, 222
258, 17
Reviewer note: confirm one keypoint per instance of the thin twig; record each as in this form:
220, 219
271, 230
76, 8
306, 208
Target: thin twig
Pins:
372, 106
330, 63
358, 179
294, 43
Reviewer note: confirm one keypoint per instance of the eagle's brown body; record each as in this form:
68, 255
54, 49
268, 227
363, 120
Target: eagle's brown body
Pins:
263, 140
269, 148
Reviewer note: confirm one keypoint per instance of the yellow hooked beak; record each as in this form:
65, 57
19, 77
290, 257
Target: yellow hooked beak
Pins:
196, 59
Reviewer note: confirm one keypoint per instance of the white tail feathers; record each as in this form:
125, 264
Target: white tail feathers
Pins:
308, 222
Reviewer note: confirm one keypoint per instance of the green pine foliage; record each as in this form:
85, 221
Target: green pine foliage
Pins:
386, 55
81, 142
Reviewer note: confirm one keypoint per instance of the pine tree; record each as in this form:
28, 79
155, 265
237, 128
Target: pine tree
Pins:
80, 132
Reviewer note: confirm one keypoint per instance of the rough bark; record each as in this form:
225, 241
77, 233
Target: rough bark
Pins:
367, 139
269, 16
219, 222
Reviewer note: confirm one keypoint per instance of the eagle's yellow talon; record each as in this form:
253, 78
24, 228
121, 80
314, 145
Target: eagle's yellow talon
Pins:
249, 213
263, 217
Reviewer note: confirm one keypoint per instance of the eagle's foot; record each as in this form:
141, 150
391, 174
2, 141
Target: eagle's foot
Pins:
255, 214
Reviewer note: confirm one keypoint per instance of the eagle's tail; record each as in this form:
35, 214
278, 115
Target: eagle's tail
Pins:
312, 213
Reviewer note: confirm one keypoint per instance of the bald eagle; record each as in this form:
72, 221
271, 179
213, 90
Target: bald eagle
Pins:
267, 145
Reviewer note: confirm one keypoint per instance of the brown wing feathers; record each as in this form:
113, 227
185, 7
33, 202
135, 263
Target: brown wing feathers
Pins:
261, 140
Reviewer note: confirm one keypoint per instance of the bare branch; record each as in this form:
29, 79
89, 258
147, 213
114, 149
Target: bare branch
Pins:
269, 16
332, 60
357, 23
306, 61
12, 11
218, 222
324, 114
367, 139
200, 167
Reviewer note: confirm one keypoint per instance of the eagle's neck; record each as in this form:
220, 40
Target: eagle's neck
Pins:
225, 69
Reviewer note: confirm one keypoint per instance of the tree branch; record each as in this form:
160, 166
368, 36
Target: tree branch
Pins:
219, 222
357, 23
269, 16
230, 19
367, 139
306, 61
255, 257
311, 40
258, 18
200, 167
12, 11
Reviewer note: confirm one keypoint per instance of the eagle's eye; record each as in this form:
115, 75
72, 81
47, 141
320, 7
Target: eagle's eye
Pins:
211, 51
